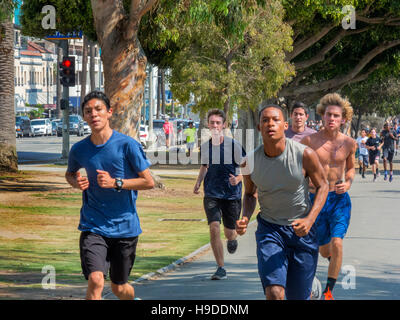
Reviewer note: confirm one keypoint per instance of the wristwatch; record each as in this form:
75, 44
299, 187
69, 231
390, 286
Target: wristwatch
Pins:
118, 184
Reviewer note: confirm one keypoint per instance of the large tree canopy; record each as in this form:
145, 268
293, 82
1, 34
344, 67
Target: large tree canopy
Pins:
328, 56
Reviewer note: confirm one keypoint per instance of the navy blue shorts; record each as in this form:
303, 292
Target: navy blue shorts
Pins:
285, 259
334, 218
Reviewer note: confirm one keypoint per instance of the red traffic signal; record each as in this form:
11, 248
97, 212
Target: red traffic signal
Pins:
67, 72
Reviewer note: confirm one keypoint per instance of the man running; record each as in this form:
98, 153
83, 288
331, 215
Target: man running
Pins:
298, 130
374, 145
277, 174
388, 137
116, 168
336, 153
220, 160
362, 152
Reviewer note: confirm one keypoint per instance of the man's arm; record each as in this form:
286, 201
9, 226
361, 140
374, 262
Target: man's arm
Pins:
143, 182
350, 171
315, 171
200, 178
76, 181
249, 204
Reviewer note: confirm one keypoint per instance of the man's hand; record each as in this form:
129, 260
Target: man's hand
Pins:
234, 180
196, 188
104, 179
342, 187
82, 182
241, 225
302, 227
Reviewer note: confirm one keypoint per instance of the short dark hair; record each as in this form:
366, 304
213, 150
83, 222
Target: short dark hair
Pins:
96, 95
271, 105
216, 112
299, 105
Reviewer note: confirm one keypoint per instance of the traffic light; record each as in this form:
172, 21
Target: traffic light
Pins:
67, 72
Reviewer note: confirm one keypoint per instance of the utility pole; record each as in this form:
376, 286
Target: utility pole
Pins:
151, 103
65, 111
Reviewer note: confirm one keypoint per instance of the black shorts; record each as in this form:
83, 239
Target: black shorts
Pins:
388, 154
229, 210
373, 156
100, 253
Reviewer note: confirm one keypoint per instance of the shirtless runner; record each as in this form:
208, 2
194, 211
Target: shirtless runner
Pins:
336, 153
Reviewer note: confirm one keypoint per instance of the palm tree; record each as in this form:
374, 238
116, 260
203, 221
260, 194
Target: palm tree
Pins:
8, 153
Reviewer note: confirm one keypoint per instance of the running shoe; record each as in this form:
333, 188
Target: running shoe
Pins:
232, 246
363, 176
374, 178
385, 177
390, 178
327, 295
219, 274
316, 289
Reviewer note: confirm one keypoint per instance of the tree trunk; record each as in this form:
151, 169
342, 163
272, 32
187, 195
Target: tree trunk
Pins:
8, 153
124, 62
84, 70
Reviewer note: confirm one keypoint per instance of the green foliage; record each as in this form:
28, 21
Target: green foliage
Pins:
70, 16
7, 9
243, 64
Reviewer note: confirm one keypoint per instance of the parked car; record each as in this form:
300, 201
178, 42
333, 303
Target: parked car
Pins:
76, 126
54, 125
41, 127
23, 126
86, 128
158, 133
144, 135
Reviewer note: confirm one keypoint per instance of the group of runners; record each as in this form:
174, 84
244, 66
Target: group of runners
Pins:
299, 177
369, 150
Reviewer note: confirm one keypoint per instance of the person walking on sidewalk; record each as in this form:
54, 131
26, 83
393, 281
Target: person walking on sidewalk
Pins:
220, 160
362, 152
336, 153
116, 168
374, 145
277, 173
190, 134
168, 132
298, 130
388, 137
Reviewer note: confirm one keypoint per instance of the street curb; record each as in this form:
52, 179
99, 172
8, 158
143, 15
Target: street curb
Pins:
168, 268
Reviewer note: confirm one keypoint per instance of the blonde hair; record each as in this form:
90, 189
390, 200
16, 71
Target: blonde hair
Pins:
334, 99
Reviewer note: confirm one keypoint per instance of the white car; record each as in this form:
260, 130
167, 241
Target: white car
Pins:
41, 127
144, 135
86, 128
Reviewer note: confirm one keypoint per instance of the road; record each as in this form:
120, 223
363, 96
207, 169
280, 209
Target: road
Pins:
371, 259
41, 149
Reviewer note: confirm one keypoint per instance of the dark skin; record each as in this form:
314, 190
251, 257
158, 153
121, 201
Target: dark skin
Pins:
272, 126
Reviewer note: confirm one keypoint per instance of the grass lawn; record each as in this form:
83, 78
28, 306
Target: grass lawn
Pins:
40, 228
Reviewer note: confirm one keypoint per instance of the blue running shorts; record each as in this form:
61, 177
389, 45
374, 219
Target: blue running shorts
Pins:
285, 259
334, 218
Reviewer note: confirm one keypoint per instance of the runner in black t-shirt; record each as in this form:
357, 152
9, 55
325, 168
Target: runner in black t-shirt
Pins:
221, 157
388, 136
374, 145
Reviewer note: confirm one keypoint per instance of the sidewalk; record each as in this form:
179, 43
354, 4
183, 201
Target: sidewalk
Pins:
371, 253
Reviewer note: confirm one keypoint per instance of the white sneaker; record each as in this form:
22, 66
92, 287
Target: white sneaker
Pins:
316, 290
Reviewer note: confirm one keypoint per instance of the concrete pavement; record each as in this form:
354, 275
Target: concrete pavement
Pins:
371, 261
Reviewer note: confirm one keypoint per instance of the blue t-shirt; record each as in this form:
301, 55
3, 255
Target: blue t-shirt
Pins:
222, 160
106, 211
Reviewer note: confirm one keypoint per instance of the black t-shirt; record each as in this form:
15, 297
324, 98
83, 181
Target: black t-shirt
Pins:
388, 141
222, 160
373, 142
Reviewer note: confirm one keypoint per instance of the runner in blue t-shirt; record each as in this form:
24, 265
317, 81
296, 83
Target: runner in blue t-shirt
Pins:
116, 168
220, 158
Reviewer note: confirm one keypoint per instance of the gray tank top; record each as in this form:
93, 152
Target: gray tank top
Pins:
281, 185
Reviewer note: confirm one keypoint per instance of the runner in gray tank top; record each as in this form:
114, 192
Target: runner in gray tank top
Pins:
277, 173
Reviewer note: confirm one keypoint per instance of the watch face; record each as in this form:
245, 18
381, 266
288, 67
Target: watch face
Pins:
119, 183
